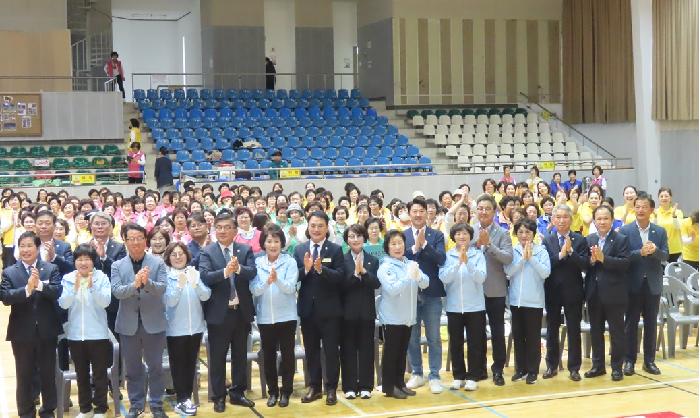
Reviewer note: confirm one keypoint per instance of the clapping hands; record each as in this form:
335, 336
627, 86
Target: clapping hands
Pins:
141, 278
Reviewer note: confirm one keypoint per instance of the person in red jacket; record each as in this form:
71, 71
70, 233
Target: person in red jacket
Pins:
113, 68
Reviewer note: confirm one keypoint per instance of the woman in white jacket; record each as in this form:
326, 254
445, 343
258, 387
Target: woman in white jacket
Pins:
527, 273
274, 289
463, 274
400, 279
86, 293
184, 295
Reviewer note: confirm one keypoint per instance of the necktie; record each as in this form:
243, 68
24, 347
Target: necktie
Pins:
315, 254
227, 258
561, 241
601, 242
29, 270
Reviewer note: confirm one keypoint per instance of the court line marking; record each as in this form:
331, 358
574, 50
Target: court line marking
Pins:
677, 366
461, 394
347, 403
545, 396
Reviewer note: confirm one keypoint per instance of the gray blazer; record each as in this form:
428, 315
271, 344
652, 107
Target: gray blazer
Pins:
148, 299
498, 254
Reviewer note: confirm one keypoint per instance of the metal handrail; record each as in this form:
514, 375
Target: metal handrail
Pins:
585, 137
98, 80
238, 78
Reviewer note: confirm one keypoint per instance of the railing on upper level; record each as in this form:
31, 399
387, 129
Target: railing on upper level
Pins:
243, 80
59, 83
572, 132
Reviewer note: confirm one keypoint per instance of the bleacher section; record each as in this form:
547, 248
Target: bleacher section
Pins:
332, 130
485, 139
23, 166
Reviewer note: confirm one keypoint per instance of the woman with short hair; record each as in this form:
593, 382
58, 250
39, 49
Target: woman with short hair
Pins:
274, 288
184, 295
86, 293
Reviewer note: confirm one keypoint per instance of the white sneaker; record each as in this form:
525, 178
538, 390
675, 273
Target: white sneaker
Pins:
415, 381
457, 384
436, 386
90, 414
350, 395
99, 416
365, 394
470, 385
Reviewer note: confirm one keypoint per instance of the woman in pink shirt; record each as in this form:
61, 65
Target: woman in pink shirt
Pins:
246, 233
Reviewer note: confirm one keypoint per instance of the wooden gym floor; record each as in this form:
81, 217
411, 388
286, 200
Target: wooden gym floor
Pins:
675, 390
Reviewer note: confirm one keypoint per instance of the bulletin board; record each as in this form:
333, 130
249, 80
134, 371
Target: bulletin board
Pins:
20, 114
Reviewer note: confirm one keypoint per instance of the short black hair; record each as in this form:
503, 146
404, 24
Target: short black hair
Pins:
318, 214
196, 217
357, 229
272, 230
31, 235
420, 201
461, 227
572, 171
604, 207
86, 250
641, 195
487, 198
48, 213
225, 216
391, 234
527, 223
157, 230
130, 226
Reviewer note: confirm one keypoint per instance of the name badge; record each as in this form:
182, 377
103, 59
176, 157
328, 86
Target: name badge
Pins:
326, 260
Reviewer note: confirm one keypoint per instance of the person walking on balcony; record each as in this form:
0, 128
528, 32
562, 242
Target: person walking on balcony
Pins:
113, 68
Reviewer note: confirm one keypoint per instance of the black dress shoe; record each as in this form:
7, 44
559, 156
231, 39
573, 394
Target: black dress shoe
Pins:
617, 375
220, 405
628, 368
594, 372
397, 394
531, 378
575, 376
134, 412
407, 391
311, 395
331, 398
241, 400
651, 368
158, 413
284, 400
550, 373
272, 400
498, 379
481, 377
519, 375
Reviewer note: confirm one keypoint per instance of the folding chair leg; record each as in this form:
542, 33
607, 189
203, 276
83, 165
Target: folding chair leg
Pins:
671, 340
660, 341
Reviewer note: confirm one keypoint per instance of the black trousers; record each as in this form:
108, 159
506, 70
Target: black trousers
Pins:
120, 82
327, 331
474, 324
396, 339
358, 355
28, 354
495, 310
273, 337
183, 352
647, 305
232, 332
8, 256
526, 326
572, 313
95, 355
615, 316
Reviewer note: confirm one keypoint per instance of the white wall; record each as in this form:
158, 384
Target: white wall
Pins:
280, 23
155, 46
33, 15
344, 39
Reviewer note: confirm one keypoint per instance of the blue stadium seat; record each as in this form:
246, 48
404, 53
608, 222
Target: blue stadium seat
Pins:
363, 141
358, 152
331, 153
349, 141
192, 94
322, 141
302, 153
243, 154
177, 168
372, 151
402, 140
372, 112
228, 155
336, 141
279, 142
198, 155
139, 94
317, 153
206, 144
182, 156
293, 141
191, 143
386, 151
384, 161
287, 153
222, 143
205, 94
252, 165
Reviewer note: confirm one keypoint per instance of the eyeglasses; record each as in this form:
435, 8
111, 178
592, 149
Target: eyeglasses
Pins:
483, 209
136, 239
223, 227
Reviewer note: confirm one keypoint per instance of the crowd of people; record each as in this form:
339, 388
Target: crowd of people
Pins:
162, 271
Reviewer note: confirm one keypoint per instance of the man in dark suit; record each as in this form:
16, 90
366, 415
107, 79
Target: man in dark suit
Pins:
163, 172
359, 315
606, 292
568, 257
31, 287
321, 273
108, 251
648, 249
426, 246
227, 267
199, 231
52, 250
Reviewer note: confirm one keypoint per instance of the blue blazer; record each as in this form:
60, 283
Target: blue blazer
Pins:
37, 310
64, 257
148, 299
429, 259
648, 266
